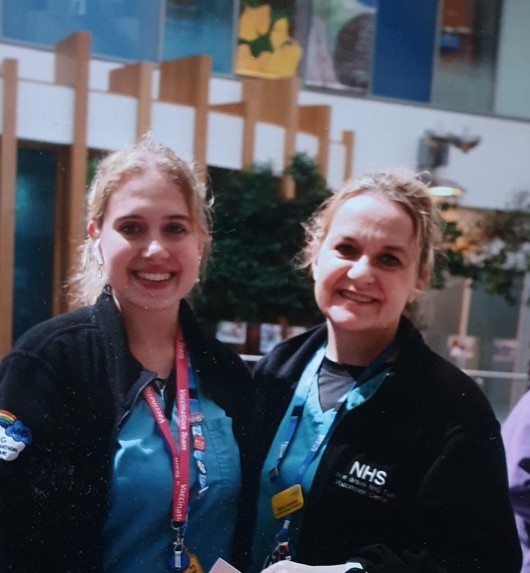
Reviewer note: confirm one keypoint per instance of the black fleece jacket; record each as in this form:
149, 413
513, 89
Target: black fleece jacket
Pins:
72, 380
413, 480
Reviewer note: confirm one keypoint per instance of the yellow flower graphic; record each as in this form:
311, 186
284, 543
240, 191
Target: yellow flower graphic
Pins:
277, 53
254, 22
283, 61
246, 63
280, 33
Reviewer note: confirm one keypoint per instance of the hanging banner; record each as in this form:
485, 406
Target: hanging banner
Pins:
266, 47
340, 46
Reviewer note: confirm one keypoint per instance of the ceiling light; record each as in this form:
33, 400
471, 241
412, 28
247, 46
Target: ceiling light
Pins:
444, 191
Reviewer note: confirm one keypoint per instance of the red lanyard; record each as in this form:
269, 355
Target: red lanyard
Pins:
180, 455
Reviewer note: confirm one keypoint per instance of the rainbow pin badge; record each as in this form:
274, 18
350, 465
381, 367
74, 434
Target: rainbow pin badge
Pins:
14, 436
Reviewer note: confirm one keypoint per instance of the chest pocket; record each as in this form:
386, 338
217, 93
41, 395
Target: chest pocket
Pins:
224, 468
222, 452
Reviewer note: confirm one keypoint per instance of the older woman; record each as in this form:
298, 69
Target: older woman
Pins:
377, 454
122, 421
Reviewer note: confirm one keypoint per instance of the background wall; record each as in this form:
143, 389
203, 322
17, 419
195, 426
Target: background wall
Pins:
386, 133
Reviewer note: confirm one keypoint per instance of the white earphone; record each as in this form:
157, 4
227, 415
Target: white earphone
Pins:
97, 252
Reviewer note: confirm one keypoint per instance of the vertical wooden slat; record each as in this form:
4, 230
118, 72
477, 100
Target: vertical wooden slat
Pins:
291, 127
8, 173
248, 109
203, 68
348, 140
71, 69
323, 119
60, 237
186, 81
315, 120
252, 99
135, 80
279, 105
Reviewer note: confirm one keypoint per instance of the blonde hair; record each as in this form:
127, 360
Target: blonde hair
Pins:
399, 186
112, 171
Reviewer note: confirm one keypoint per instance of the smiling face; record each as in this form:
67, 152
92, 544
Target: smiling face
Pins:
366, 269
149, 246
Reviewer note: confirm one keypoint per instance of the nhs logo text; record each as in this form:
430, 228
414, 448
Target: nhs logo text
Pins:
368, 473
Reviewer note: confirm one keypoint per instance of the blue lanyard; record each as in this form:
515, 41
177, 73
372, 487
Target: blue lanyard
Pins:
284, 548
308, 378
302, 392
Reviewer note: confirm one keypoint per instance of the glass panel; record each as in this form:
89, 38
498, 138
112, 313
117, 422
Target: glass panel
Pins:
34, 227
464, 78
200, 27
340, 44
491, 340
494, 322
404, 49
120, 28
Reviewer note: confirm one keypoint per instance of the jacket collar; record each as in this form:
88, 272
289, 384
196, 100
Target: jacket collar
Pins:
126, 374
292, 361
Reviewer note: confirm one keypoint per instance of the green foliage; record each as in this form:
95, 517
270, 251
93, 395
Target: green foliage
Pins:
92, 165
257, 235
493, 254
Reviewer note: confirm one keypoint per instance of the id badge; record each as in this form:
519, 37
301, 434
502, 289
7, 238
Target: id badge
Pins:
287, 501
194, 565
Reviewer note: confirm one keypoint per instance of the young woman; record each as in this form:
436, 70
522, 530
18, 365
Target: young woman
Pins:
122, 423
377, 455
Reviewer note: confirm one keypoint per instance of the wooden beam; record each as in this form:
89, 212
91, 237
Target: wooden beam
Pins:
60, 237
186, 81
315, 120
290, 93
252, 97
135, 80
8, 173
274, 101
279, 101
279, 106
237, 108
249, 110
348, 140
72, 58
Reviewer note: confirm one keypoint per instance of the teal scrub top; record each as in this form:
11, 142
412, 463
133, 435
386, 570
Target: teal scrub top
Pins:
311, 423
138, 535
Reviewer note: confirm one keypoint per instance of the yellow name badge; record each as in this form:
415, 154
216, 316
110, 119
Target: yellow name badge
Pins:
287, 501
194, 566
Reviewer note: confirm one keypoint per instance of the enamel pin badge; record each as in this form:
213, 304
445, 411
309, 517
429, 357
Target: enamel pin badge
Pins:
14, 436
